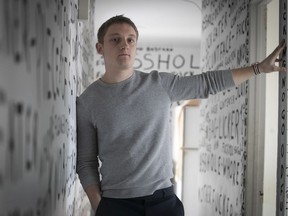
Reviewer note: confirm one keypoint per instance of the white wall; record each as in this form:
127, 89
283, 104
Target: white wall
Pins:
190, 177
271, 115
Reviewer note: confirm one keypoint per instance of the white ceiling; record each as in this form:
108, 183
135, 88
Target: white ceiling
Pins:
158, 21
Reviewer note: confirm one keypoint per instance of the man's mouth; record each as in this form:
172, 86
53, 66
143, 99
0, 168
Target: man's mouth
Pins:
123, 54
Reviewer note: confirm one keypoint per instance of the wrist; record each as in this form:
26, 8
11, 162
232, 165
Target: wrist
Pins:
256, 68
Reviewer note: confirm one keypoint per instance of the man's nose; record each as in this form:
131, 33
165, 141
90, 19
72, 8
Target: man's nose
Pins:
124, 44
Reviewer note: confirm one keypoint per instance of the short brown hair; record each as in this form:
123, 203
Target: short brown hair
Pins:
114, 20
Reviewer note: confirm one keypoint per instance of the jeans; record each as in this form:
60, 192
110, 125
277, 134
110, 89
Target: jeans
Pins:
162, 202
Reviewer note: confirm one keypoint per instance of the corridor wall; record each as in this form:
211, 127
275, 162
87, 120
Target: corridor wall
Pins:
223, 149
45, 60
282, 166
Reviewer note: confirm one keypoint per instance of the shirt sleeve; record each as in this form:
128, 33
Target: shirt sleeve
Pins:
196, 86
87, 151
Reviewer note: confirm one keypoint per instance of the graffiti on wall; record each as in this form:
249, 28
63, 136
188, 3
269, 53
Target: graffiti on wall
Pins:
182, 61
282, 203
223, 149
39, 52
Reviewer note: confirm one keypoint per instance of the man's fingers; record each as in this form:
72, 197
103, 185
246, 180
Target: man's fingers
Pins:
280, 69
272, 58
278, 49
281, 46
279, 60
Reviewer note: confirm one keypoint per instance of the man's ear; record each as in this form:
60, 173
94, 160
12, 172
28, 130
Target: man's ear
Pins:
99, 48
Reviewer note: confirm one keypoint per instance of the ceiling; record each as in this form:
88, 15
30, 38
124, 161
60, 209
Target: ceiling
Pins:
158, 21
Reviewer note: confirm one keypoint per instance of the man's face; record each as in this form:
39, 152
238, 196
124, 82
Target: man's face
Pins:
119, 47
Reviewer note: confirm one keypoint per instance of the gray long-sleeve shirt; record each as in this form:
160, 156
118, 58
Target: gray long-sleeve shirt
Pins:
127, 126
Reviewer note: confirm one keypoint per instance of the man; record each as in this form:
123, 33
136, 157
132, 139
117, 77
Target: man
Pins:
123, 122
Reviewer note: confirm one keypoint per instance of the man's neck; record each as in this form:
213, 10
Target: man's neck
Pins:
117, 76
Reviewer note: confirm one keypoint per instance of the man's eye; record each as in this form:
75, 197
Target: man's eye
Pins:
115, 40
131, 40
